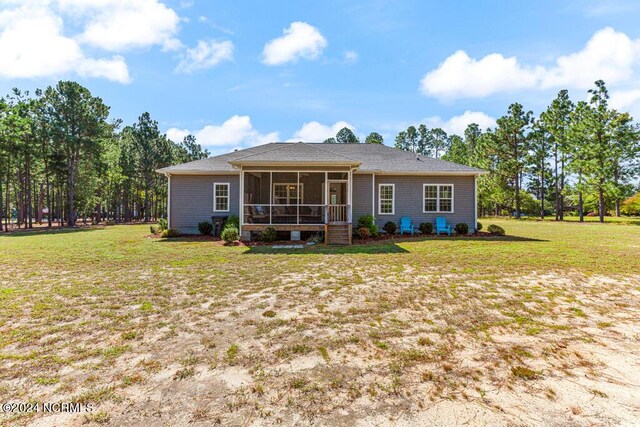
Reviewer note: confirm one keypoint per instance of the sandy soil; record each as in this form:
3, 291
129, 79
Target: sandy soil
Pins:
371, 348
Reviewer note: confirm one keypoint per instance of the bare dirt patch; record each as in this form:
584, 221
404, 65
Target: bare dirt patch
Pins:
359, 347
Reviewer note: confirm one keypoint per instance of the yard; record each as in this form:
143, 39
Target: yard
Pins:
539, 327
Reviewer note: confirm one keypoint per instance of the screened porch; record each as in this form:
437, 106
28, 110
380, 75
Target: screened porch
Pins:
303, 198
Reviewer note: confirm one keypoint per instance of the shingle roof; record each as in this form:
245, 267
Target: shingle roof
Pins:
298, 153
367, 157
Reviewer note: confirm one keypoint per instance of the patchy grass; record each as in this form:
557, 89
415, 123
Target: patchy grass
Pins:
428, 329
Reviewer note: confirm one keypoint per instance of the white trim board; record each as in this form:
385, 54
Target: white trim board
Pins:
228, 196
438, 185
393, 199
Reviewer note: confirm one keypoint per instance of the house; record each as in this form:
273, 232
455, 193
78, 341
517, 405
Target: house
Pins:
302, 188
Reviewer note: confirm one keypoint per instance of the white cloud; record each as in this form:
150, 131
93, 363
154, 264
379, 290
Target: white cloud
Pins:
460, 76
608, 55
622, 99
317, 132
32, 45
235, 132
205, 55
118, 25
458, 124
300, 40
351, 57
626, 100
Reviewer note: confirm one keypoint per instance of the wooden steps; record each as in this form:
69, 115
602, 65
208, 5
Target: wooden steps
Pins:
337, 234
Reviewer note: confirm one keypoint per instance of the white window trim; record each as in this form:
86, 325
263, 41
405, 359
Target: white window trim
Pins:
393, 199
300, 193
424, 200
228, 196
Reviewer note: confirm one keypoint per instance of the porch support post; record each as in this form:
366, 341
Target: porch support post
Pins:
475, 202
326, 197
349, 219
270, 197
168, 200
373, 196
299, 194
240, 203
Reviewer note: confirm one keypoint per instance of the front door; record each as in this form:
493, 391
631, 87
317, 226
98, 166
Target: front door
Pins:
337, 196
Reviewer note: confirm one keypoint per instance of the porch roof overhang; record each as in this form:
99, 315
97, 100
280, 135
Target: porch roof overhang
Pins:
297, 164
420, 173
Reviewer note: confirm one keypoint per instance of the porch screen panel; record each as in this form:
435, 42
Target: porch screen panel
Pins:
286, 196
312, 207
257, 197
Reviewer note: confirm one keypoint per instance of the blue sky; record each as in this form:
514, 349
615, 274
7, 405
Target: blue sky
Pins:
243, 73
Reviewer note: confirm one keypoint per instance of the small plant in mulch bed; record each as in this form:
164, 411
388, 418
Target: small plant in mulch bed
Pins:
462, 229
390, 227
155, 229
232, 221
269, 234
229, 234
426, 228
367, 221
162, 223
363, 232
478, 227
171, 232
495, 229
205, 228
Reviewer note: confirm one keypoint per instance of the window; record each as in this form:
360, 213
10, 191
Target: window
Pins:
221, 197
386, 205
287, 194
438, 198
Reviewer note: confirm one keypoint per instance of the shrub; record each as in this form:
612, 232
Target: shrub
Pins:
205, 228
631, 206
268, 234
229, 234
316, 238
171, 232
155, 229
426, 228
478, 226
462, 228
163, 224
390, 227
495, 229
232, 221
367, 221
363, 232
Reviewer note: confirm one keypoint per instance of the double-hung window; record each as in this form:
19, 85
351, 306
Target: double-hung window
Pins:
221, 197
386, 199
437, 198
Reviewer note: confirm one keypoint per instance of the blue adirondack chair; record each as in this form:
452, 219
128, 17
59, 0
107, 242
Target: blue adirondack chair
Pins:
442, 226
405, 225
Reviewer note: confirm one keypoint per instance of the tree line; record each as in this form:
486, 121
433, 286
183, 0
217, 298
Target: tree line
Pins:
63, 159
578, 157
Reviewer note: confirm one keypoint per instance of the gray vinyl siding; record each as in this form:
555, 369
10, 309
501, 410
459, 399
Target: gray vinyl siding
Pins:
409, 199
192, 199
361, 196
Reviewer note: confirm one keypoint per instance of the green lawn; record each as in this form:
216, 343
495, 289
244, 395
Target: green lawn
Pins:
629, 220
423, 327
